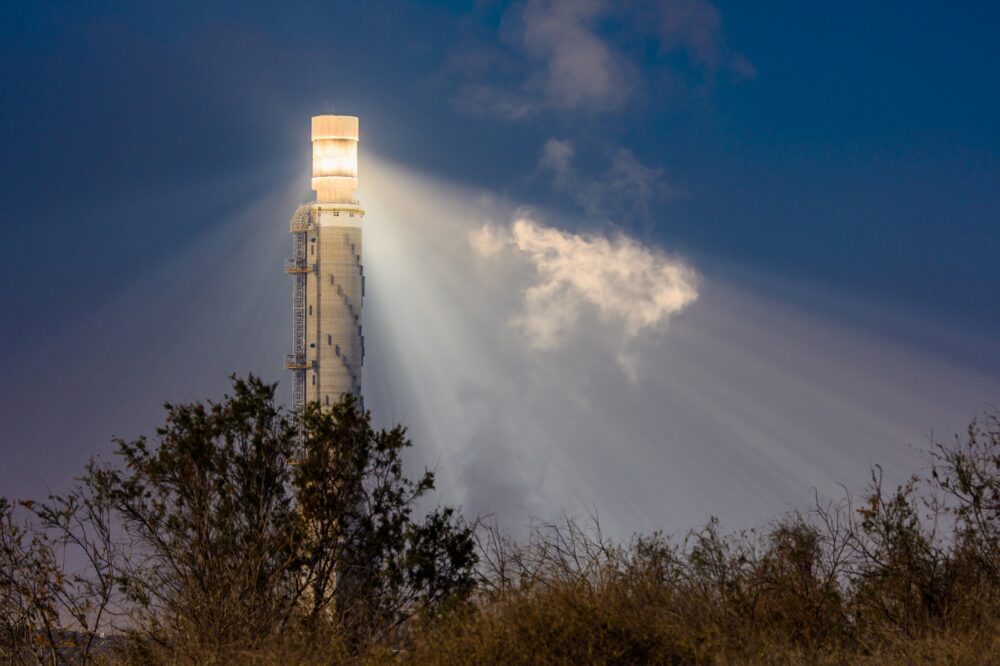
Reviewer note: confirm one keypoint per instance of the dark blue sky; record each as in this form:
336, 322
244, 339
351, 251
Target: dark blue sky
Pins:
850, 146
830, 170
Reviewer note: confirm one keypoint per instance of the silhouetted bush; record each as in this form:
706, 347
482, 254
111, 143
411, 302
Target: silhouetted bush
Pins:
247, 535
243, 528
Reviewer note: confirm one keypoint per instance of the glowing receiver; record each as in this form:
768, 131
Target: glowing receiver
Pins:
335, 157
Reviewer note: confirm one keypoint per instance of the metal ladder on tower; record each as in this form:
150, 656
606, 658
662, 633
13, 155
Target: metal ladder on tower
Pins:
298, 266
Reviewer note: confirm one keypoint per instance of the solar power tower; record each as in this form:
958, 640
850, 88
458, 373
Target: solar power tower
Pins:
328, 346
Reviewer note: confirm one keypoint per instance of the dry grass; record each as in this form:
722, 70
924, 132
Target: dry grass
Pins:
873, 580
565, 626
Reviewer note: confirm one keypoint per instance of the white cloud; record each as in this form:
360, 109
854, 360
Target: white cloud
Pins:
488, 240
623, 281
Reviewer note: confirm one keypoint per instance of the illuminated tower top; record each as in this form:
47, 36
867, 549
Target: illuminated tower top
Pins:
335, 158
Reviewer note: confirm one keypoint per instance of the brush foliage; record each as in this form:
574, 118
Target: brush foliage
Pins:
244, 534
241, 526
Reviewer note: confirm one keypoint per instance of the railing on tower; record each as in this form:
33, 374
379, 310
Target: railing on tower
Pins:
302, 221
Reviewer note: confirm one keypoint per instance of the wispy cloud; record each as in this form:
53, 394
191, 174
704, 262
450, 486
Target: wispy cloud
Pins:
623, 281
494, 100
561, 63
695, 28
625, 192
489, 240
556, 55
576, 68
557, 157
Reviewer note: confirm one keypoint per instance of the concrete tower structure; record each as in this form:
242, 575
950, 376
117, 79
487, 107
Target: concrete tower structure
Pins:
328, 347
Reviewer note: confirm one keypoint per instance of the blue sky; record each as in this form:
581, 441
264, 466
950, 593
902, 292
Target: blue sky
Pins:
858, 152
849, 149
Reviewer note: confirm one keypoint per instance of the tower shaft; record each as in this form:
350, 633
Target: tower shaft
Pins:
328, 341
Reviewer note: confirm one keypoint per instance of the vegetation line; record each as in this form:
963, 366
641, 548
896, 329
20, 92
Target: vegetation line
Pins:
245, 533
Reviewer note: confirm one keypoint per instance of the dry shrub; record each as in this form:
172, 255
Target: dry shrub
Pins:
872, 581
898, 576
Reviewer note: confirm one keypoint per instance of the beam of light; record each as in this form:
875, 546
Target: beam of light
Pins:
174, 333
738, 408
